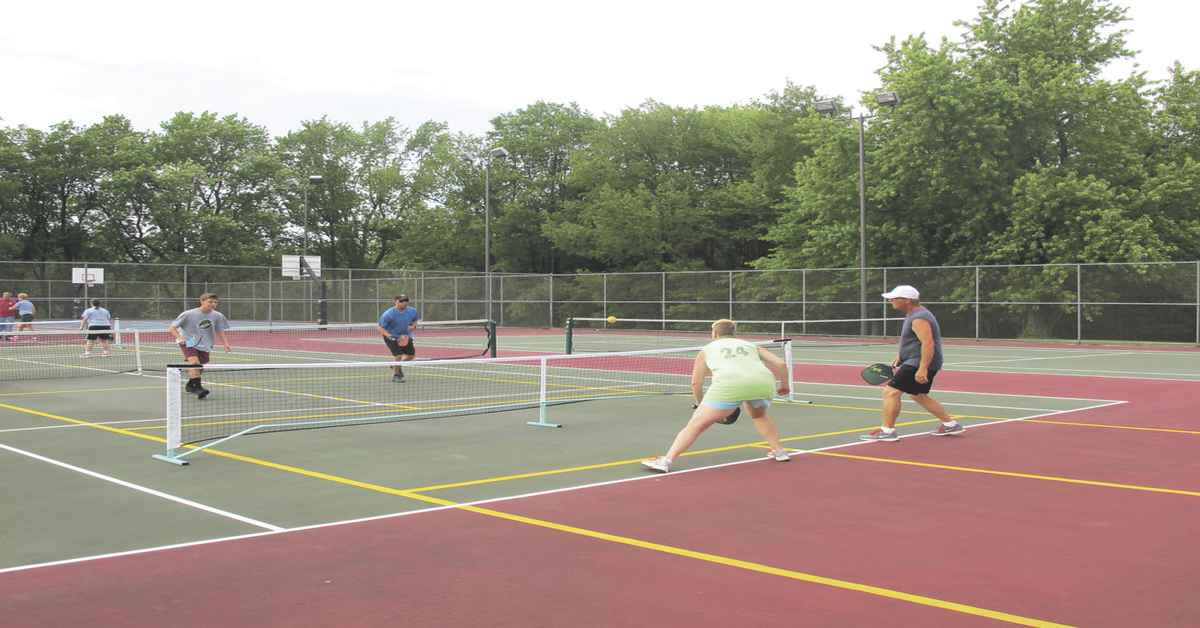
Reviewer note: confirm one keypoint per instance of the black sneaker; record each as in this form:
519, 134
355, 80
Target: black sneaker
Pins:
398, 379
201, 392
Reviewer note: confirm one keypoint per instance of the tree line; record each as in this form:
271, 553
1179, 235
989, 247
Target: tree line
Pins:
1009, 144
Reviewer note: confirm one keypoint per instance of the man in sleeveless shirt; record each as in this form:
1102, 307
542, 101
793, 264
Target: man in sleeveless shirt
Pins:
917, 363
742, 375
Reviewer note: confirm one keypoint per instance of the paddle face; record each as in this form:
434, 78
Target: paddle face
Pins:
877, 374
732, 418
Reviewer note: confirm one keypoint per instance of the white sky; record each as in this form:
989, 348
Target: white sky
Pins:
461, 61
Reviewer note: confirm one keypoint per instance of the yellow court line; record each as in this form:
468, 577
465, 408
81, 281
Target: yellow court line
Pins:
99, 426
603, 536
666, 549
1011, 474
618, 463
72, 391
1115, 427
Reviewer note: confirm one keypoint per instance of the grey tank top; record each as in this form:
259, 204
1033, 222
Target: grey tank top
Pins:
910, 345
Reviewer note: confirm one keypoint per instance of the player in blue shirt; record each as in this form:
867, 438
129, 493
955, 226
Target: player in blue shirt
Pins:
396, 325
98, 322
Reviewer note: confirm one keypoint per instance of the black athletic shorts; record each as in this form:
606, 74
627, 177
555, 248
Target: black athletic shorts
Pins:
99, 332
905, 379
397, 350
27, 318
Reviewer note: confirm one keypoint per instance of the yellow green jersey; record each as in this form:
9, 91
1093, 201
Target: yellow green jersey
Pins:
738, 373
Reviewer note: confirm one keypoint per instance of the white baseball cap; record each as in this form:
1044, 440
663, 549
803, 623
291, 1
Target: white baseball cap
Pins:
902, 292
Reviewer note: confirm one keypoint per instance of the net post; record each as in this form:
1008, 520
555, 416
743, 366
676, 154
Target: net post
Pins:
543, 364
174, 413
570, 335
491, 333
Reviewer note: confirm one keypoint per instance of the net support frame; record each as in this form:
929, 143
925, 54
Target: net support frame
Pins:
543, 372
174, 407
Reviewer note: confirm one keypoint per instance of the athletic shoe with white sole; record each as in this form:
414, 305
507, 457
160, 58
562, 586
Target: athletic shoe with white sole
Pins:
780, 456
943, 430
878, 434
660, 464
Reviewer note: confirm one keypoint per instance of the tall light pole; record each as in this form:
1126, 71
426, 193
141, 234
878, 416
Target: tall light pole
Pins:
496, 153
886, 99
312, 179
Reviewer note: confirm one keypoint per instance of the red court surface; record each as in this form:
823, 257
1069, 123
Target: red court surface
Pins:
448, 568
1082, 555
1073, 554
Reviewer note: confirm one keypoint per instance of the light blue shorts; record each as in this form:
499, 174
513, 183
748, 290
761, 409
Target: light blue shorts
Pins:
729, 405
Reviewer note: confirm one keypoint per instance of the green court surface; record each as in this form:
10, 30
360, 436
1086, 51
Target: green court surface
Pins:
81, 448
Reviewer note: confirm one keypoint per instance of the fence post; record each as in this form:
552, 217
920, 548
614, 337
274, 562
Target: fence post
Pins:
804, 300
663, 300
885, 303
550, 280
730, 295
1078, 304
976, 303
604, 292
270, 299
1198, 303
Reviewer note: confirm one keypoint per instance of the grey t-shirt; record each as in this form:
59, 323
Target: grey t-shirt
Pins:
195, 323
910, 345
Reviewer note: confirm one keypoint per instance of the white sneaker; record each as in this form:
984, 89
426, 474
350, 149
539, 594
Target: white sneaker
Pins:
660, 464
87, 355
106, 354
780, 456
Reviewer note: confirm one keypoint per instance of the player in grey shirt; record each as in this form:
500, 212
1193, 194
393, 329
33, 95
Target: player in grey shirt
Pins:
917, 362
197, 330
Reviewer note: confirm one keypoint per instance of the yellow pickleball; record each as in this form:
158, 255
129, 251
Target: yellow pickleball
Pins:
612, 319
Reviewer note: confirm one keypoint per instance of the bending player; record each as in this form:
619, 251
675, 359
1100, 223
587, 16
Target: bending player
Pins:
742, 375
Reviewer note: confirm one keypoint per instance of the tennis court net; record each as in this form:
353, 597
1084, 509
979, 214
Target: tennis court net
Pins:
61, 354
263, 398
587, 335
28, 355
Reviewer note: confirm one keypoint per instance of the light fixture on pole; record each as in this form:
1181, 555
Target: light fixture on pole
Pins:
885, 99
312, 179
496, 153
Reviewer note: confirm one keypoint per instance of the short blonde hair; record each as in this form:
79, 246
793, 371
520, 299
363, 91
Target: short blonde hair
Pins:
724, 327
22, 295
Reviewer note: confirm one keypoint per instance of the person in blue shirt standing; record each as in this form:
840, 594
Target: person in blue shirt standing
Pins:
25, 310
98, 323
396, 325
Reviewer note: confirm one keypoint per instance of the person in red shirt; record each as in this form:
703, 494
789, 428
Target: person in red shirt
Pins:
8, 314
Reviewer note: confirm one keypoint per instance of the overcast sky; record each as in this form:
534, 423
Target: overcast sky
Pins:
465, 62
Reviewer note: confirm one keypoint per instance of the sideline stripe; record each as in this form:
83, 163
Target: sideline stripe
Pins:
1011, 474
144, 489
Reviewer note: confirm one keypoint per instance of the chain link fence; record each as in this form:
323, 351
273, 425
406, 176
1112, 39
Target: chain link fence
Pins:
1077, 302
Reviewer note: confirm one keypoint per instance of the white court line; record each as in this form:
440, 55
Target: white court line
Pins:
144, 489
967, 392
77, 425
495, 500
944, 403
1008, 370
1046, 357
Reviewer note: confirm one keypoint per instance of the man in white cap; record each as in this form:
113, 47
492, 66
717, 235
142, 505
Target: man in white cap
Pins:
916, 364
